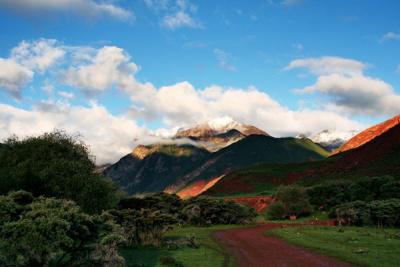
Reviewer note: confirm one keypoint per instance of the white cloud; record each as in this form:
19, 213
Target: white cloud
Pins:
19, 68
88, 8
67, 95
109, 65
328, 65
108, 136
13, 76
180, 19
223, 60
348, 89
38, 55
390, 36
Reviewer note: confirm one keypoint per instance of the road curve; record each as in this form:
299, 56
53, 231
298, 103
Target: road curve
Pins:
252, 248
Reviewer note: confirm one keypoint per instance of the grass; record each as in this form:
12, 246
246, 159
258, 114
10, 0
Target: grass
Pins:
208, 254
358, 245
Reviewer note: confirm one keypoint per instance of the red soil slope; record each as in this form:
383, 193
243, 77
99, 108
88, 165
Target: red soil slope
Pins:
260, 204
368, 134
251, 247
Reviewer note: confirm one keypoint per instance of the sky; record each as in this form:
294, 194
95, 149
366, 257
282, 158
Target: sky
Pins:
119, 73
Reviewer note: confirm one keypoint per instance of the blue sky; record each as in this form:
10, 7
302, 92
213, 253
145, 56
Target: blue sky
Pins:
287, 66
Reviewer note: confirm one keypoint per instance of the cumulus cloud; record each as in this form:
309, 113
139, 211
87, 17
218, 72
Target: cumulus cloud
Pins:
328, 65
108, 136
223, 60
88, 8
347, 88
19, 68
390, 36
109, 65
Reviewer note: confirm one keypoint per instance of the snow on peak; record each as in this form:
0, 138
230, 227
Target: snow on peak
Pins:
223, 123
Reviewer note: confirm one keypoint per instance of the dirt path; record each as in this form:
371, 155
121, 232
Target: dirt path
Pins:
252, 248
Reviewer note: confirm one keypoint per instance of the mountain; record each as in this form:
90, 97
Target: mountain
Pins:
152, 168
218, 133
246, 152
369, 134
378, 156
331, 139
174, 168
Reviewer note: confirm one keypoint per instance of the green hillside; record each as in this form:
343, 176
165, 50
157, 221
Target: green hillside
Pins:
252, 150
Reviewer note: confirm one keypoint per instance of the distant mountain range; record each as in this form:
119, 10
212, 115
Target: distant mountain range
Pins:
331, 139
217, 148
373, 152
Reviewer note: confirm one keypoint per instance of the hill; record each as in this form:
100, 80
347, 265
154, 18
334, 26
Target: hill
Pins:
378, 156
246, 152
152, 168
176, 168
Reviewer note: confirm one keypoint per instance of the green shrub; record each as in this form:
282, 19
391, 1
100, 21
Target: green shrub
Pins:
276, 211
289, 201
38, 232
55, 165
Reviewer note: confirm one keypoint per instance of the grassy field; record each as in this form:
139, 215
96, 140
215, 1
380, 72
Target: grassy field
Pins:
208, 254
359, 245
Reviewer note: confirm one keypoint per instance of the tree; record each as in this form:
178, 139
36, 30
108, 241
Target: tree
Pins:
55, 165
37, 232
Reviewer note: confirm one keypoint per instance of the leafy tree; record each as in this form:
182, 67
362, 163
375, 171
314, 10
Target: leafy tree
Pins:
276, 211
55, 165
390, 190
38, 232
294, 201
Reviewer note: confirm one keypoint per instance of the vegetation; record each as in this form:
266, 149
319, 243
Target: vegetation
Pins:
43, 231
55, 165
361, 246
378, 212
208, 253
289, 201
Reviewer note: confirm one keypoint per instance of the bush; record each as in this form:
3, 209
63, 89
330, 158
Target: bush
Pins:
378, 212
276, 211
38, 232
208, 211
55, 165
289, 201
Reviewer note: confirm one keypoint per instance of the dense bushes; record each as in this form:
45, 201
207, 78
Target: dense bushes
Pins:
208, 211
289, 201
328, 195
378, 212
43, 231
55, 165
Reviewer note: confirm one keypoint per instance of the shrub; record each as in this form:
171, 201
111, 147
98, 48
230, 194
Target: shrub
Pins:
55, 165
292, 199
353, 213
37, 232
207, 211
276, 211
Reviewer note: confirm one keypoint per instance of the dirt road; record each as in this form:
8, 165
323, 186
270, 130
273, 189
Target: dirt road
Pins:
252, 248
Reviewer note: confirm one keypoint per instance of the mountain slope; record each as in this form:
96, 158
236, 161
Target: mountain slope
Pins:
246, 152
379, 156
152, 168
368, 134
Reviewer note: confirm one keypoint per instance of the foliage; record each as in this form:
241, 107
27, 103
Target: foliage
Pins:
55, 165
330, 194
209, 211
36, 232
276, 211
142, 227
289, 201
380, 247
378, 212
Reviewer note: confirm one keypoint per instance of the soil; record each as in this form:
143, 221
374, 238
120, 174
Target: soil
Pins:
251, 247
